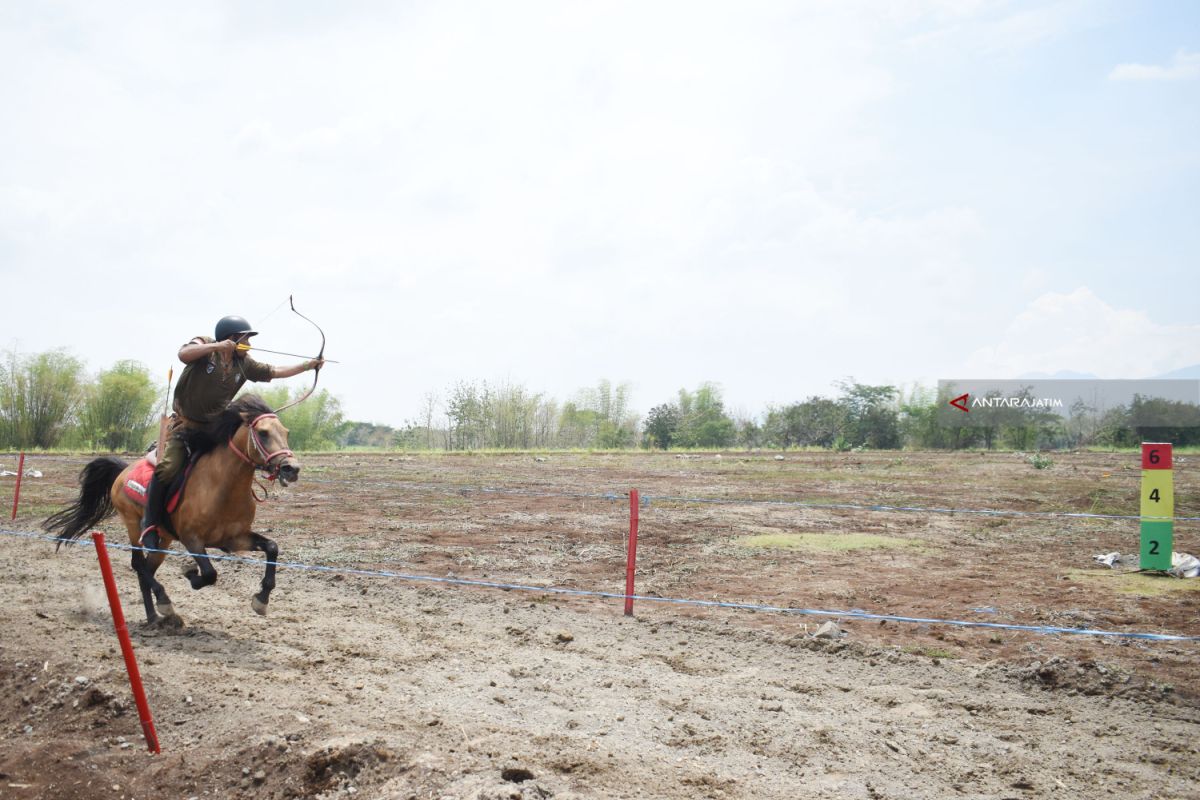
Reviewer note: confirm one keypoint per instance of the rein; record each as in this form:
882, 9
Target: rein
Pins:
265, 464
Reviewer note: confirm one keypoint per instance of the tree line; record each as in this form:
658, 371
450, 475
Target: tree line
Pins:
49, 400
861, 416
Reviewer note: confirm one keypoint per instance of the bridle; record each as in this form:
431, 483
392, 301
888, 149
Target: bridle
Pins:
264, 464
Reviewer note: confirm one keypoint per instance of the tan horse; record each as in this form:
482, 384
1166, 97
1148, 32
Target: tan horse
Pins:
217, 509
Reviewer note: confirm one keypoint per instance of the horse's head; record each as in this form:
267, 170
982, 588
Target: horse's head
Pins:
267, 445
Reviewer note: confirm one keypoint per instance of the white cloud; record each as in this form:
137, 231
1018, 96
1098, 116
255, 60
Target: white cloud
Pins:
1184, 66
1080, 332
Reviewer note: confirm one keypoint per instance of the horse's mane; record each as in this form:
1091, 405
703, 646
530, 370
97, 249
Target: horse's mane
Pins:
202, 440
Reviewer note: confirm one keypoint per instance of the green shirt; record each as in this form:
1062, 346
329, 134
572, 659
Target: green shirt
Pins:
208, 385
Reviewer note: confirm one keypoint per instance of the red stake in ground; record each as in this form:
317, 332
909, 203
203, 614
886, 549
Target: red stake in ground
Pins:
135, 677
20, 472
631, 562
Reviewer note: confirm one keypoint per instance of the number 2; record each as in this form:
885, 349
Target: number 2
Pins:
1153, 547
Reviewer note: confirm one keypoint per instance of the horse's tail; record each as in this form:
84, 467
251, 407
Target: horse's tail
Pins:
94, 504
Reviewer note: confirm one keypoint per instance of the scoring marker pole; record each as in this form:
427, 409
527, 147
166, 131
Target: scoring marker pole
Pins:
1157, 506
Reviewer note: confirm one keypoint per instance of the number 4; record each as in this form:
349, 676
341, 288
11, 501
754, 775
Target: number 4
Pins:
1154, 495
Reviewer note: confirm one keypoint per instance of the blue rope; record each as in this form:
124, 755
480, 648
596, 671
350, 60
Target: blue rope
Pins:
814, 612
917, 509
647, 498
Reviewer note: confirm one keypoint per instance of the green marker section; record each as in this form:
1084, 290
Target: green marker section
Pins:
1158, 538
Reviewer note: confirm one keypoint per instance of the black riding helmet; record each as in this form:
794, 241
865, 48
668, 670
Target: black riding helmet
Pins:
229, 327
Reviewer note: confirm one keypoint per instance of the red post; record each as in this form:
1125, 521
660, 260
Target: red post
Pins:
135, 677
20, 472
631, 562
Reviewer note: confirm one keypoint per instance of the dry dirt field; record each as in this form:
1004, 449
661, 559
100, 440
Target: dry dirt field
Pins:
372, 687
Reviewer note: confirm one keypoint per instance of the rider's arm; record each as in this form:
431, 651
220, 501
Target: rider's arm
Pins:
295, 369
197, 349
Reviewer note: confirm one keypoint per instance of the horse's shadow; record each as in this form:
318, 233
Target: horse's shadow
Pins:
203, 642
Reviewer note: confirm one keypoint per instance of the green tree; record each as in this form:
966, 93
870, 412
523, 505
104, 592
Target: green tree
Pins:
1027, 427
872, 415
312, 425
465, 418
815, 421
577, 426
119, 408
920, 425
365, 434
618, 426
598, 417
702, 419
1115, 428
39, 397
750, 434
1155, 419
661, 425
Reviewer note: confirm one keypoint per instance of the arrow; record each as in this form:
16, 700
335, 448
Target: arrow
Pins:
278, 353
960, 403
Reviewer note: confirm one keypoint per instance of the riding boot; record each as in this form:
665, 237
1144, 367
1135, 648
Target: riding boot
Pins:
153, 516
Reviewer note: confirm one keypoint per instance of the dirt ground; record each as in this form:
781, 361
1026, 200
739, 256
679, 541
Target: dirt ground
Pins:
373, 687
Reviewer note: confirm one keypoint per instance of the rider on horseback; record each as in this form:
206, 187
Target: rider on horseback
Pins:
216, 369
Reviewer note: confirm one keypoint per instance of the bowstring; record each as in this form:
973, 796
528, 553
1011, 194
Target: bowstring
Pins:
240, 362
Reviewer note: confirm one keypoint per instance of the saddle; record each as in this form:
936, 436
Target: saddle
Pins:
138, 482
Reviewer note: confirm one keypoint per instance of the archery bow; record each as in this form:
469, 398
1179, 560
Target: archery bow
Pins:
320, 356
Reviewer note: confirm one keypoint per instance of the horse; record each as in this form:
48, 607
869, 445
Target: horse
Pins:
217, 510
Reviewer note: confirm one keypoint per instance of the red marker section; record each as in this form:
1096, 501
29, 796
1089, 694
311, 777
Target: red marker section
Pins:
1156, 455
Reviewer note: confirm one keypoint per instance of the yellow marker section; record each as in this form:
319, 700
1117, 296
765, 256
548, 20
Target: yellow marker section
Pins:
1158, 495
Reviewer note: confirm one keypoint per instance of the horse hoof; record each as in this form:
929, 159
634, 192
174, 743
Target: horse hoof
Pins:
259, 606
172, 623
197, 579
166, 609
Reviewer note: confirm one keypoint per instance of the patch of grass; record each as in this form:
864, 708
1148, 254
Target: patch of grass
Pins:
36, 510
1114, 502
830, 542
1136, 583
454, 501
1040, 461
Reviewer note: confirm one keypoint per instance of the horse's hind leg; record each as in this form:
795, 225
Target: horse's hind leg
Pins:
165, 606
145, 565
138, 561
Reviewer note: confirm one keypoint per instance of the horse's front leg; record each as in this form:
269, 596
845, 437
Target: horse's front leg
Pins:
204, 573
271, 550
256, 541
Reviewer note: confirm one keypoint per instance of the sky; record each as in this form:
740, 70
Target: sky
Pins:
768, 196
